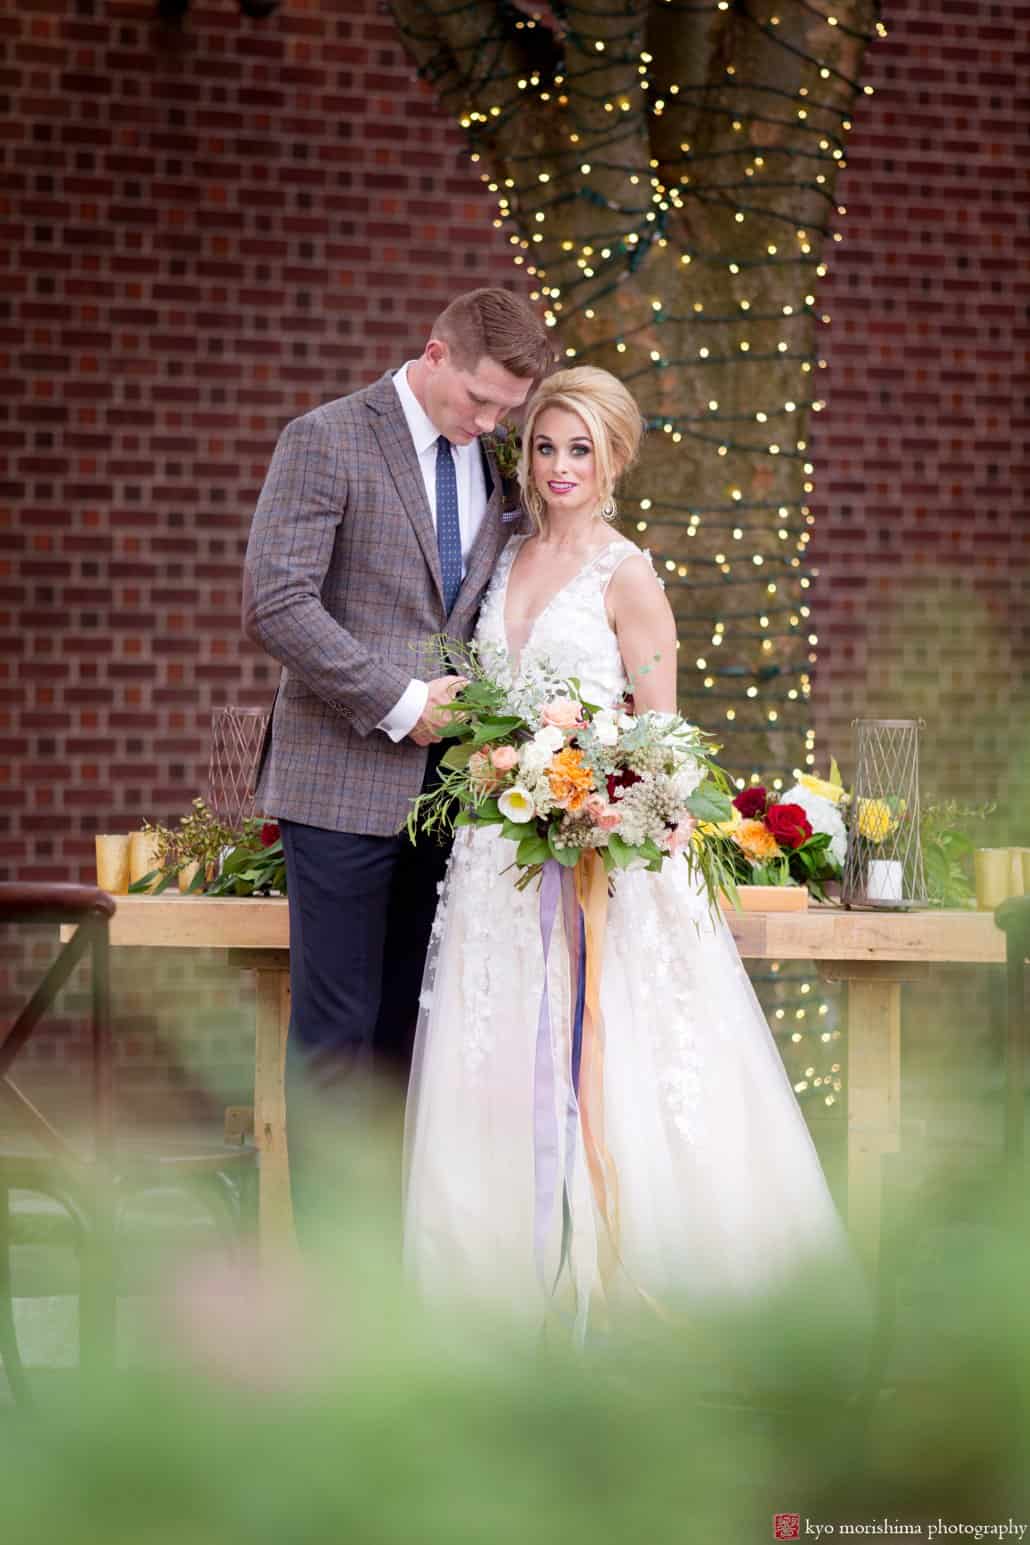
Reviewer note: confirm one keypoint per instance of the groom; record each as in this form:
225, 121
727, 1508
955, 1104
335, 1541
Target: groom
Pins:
378, 527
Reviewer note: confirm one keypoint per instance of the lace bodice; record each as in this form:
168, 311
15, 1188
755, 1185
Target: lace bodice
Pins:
571, 636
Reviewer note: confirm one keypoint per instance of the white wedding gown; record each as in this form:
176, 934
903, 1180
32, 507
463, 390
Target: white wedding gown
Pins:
720, 1188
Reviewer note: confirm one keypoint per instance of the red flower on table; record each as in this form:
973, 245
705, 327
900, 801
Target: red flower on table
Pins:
789, 825
752, 802
269, 833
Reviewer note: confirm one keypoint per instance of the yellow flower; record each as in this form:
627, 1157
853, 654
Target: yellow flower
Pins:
571, 783
756, 841
875, 821
821, 786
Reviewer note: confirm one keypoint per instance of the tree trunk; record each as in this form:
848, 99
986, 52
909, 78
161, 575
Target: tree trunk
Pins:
667, 174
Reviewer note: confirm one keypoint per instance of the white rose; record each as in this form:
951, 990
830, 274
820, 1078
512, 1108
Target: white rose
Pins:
627, 721
550, 739
533, 759
605, 728
516, 804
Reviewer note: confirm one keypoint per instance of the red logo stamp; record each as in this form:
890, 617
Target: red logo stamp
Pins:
786, 1526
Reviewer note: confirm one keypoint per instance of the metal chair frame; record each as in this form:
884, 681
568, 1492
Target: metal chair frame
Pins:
91, 1191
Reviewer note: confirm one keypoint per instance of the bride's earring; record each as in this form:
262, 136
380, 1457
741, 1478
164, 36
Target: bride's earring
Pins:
608, 509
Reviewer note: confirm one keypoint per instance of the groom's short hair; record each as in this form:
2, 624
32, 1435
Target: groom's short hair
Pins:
500, 326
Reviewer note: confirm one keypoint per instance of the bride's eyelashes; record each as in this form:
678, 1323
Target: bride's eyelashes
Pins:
544, 448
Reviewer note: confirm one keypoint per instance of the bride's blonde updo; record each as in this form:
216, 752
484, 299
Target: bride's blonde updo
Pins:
611, 416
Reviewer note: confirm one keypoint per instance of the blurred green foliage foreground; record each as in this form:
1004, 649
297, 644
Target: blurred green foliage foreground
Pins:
318, 1404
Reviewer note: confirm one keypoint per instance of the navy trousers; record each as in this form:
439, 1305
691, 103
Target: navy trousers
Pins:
361, 911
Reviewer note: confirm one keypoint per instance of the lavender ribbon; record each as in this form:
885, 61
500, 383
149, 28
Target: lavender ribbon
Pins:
557, 885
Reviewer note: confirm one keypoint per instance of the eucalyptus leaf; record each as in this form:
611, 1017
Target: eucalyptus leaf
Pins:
709, 803
457, 757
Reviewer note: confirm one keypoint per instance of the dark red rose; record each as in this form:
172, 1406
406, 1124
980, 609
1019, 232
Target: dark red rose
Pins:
752, 802
789, 825
624, 779
269, 833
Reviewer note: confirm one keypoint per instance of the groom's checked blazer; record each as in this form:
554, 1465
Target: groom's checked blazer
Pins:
342, 585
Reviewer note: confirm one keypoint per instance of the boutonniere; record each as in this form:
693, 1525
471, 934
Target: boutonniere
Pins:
505, 446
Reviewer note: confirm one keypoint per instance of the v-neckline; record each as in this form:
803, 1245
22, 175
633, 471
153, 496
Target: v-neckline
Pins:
514, 661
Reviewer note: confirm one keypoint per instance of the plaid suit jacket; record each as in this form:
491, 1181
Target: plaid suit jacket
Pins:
342, 585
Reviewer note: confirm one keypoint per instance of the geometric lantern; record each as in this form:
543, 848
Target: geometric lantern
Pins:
236, 737
883, 867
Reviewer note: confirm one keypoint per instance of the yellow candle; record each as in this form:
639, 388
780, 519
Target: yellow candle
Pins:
143, 856
112, 850
992, 867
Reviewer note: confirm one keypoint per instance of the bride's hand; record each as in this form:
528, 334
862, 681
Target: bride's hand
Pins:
427, 731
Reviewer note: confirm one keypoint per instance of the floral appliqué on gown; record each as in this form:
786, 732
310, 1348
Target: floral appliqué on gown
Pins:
720, 1188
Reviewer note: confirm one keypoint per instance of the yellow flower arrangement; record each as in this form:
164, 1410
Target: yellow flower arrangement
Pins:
571, 783
756, 841
875, 821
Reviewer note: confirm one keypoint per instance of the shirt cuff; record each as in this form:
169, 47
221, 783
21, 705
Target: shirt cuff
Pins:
406, 712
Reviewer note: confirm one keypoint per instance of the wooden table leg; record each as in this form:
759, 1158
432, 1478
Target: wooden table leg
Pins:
874, 1104
275, 1210
873, 1087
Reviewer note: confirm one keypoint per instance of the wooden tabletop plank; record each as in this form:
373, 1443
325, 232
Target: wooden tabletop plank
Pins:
821, 933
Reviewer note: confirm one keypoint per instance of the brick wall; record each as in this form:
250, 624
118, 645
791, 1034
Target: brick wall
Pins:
209, 231
922, 537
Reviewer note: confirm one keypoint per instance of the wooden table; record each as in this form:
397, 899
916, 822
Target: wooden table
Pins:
874, 953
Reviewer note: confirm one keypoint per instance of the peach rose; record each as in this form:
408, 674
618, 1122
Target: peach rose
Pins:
601, 813
504, 758
563, 713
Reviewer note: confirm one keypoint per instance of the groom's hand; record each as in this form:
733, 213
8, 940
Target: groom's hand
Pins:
428, 728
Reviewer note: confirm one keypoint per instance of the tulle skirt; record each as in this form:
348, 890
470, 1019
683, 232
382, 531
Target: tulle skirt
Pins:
719, 1188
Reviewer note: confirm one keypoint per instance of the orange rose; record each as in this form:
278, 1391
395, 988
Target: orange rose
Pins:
756, 841
571, 783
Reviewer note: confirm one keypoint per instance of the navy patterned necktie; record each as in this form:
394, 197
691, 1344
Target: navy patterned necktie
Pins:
448, 529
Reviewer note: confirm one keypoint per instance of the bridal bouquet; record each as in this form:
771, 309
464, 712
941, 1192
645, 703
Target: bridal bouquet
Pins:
562, 777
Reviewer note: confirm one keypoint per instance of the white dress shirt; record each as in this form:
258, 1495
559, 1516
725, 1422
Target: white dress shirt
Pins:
468, 469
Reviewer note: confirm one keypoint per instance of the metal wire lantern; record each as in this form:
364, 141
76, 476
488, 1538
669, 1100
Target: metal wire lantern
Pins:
236, 738
884, 862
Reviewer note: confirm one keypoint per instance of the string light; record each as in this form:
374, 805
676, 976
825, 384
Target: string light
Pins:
686, 260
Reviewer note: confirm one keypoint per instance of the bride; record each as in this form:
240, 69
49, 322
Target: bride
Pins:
719, 1188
